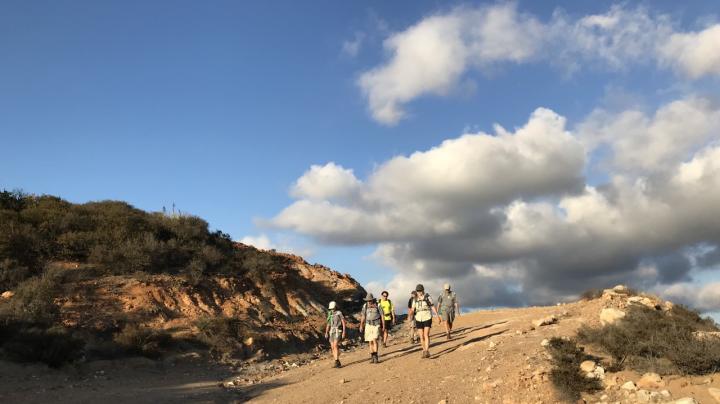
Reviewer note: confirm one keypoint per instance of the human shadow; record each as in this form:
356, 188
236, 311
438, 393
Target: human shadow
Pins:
468, 342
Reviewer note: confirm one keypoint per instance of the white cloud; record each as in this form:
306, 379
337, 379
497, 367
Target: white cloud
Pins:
431, 56
261, 242
695, 54
325, 182
510, 219
352, 46
705, 298
650, 144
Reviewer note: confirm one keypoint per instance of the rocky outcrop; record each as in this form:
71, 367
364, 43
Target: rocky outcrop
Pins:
286, 303
610, 316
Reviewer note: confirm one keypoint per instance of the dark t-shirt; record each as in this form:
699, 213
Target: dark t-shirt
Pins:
410, 302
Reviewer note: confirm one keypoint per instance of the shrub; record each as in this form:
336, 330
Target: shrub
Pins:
565, 374
27, 342
653, 340
224, 336
34, 299
143, 341
591, 294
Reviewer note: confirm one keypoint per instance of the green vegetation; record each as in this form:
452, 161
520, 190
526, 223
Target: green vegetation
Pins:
658, 341
46, 242
565, 374
225, 337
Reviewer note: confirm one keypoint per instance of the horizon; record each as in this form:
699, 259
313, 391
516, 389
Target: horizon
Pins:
523, 152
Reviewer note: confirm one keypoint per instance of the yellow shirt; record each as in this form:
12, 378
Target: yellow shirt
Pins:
387, 308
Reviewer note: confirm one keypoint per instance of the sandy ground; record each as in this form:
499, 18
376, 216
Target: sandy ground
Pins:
494, 357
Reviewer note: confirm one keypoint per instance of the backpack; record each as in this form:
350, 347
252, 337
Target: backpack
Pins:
422, 308
372, 314
330, 319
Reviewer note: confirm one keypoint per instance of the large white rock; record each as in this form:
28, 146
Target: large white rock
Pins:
629, 386
685, 400
544, 321
610, 316
587, 366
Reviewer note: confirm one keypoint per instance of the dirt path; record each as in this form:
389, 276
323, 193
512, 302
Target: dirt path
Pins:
477, 365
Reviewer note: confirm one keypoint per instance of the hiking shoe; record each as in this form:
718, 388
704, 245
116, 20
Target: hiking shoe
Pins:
427, 354
337, 364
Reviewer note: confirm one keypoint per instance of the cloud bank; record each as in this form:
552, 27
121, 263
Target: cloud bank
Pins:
510, 218
432, 56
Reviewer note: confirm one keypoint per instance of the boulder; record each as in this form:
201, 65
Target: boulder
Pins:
651, 381
610, 316
629, 386
686, 400
7, 294
545, 321
642, 396
620, 289
644, 301
588, 366
545, 342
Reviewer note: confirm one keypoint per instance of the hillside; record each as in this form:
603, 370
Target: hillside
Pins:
496, 356
104, 280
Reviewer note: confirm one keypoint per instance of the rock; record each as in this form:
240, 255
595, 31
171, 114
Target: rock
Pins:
700, 382
7, 294
492, 346
620, 289
442, 402
686, 400
604, 397
599, 373
714, 393
642, 396
544, 321
610, 316
545, 342
665, 394
588, 366
343, 381
644, 301
706, 335
629, 386
667, 306
651, 381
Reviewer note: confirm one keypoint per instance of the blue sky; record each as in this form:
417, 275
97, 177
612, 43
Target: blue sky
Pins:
221, 107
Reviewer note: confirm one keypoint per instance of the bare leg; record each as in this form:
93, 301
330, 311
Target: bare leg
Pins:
426, 339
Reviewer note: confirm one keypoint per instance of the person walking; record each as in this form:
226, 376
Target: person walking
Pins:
372, 324
422, 310
388, 312
448, 307
411, 320
335, 331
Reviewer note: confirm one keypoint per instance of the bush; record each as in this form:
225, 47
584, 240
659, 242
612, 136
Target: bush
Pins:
662, 342
591, 294
27, 342
137, 340
224, 336
565, 374
34, 300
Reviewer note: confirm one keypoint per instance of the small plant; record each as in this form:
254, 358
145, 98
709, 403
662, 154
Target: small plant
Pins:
224, 336
662, 342
591, 294
143, 341
565, 374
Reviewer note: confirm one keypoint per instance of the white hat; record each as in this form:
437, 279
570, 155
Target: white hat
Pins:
446, 286
332, 305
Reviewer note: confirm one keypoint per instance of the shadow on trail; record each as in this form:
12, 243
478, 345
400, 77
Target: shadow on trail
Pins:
256, 390
468, 342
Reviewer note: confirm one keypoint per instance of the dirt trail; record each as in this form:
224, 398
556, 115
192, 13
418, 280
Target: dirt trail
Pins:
495, 357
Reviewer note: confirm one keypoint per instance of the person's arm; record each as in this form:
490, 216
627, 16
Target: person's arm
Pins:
362, 319
434, 309
342, 320
392, 310
411, 313
327, 330
457, 308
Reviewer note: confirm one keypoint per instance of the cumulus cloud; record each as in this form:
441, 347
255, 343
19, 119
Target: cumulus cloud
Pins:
263, 242
705, 298
510, 219
431, 56
695, 54
325, 182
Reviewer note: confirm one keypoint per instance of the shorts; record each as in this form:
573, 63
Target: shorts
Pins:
423, 324
335, 335
372, 332
448, 315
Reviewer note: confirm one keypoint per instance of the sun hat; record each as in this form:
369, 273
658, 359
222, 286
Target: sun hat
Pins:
369, 297
446, 286
420, 288
332, 305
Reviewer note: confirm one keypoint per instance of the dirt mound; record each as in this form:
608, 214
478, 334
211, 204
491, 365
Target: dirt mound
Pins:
279, 310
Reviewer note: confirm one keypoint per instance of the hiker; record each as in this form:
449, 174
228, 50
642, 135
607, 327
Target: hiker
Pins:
448, 307
372, 323
411, 320
388, 311
422, 310
335, 331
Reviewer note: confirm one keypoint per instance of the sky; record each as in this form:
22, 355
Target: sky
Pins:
522, 151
